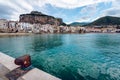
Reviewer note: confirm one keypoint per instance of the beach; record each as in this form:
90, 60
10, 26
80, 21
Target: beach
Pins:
15, 34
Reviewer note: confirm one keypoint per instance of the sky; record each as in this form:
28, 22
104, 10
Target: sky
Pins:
69, 10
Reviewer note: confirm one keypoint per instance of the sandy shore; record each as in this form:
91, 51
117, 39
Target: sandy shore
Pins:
15, 34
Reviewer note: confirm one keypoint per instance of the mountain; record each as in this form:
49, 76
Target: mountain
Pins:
79, 23
107, 20
38, 17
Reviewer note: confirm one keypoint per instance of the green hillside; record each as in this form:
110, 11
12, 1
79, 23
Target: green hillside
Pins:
78, 23
107, 20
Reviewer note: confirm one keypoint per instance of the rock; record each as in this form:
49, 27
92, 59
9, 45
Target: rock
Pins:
38, 17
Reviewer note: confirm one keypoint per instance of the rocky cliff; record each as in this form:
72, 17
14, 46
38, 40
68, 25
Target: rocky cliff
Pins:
38, 17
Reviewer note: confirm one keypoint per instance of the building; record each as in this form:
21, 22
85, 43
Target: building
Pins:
12, 26
25, 27
3, 23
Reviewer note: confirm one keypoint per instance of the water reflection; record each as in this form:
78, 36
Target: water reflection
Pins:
45, 42
19, 45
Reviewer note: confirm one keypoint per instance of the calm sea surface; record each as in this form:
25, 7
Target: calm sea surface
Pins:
69, 56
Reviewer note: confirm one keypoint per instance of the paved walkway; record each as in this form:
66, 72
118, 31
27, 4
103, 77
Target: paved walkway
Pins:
3, 71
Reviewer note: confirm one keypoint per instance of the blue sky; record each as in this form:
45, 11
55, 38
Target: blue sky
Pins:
69, 10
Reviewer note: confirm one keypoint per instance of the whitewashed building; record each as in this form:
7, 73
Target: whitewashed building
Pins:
27, 27
3, 23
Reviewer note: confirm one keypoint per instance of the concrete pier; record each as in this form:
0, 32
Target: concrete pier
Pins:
7, 65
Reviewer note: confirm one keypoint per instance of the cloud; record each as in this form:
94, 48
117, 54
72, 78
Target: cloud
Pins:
89, 10
94, 12
6, 11
84, 19
116, 3
113, 11
87, 13
11, 9
74, 3
23, 5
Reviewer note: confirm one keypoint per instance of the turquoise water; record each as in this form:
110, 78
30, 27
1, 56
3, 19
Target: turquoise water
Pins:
69, 56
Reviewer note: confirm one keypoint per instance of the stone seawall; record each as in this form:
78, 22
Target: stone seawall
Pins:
7, 65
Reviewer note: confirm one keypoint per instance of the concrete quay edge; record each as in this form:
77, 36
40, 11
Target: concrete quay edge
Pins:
7, 63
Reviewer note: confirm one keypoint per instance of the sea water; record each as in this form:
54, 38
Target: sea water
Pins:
69, 56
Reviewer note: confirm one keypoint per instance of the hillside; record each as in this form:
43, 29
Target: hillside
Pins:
107, 20
78, 23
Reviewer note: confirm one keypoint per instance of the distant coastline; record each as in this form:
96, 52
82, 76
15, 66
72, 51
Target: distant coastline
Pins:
15, 34
39, 23
28, 34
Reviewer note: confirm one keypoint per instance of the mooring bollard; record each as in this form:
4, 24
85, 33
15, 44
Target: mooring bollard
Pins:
25, 65
23, 61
